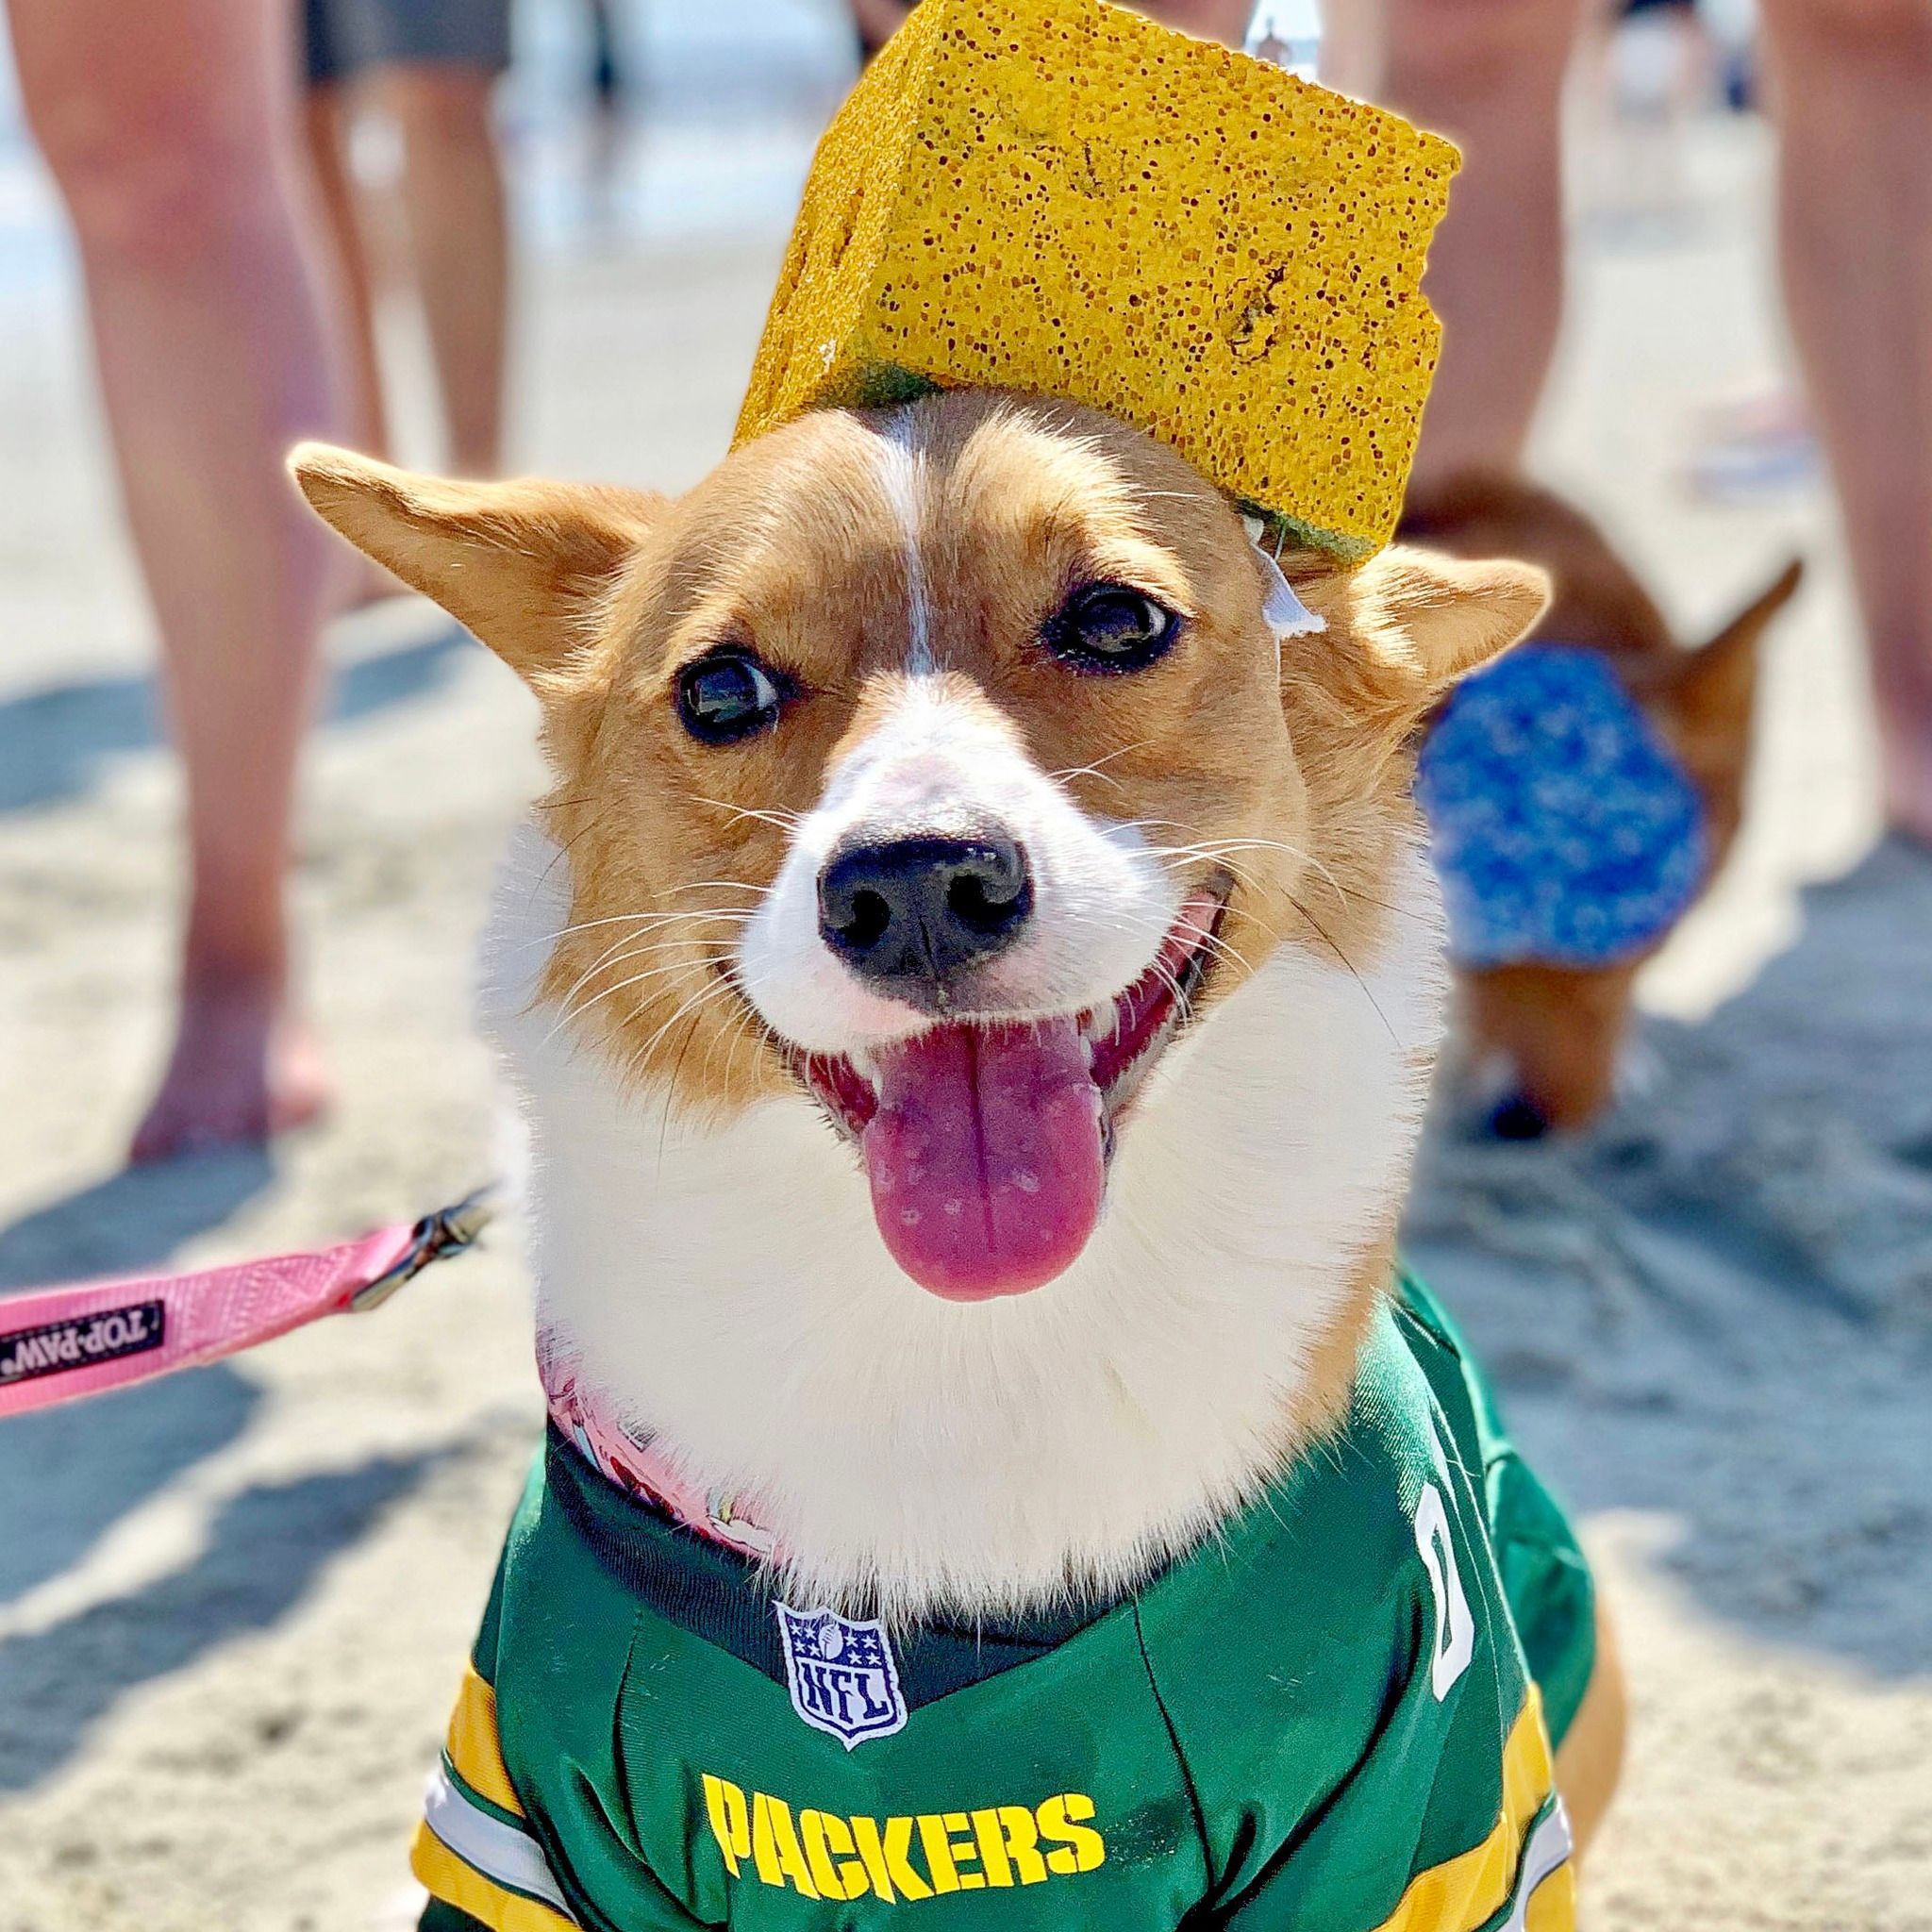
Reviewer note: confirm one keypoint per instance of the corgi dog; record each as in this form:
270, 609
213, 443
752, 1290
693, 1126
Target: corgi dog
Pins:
973, 988
1543, 1037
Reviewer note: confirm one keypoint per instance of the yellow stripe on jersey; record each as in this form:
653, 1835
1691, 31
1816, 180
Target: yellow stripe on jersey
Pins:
474, 1748
450, 1879
1553, 1904
1462, 1892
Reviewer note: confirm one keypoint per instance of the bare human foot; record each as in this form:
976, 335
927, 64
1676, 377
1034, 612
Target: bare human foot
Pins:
243, 1068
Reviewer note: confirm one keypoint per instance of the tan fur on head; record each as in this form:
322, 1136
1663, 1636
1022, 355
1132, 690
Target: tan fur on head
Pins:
1426, 620
599, 596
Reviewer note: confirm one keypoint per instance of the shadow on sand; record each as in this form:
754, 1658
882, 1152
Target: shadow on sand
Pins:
131, 1221
1719, 1307
54, 741
68, 1475
265, 1551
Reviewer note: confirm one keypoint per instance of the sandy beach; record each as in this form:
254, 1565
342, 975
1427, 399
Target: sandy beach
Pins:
233, 1605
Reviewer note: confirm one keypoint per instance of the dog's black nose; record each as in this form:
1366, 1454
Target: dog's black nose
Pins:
924, 909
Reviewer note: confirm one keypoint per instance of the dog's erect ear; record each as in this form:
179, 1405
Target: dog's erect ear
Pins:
1712, 689
520, 563
1417, 621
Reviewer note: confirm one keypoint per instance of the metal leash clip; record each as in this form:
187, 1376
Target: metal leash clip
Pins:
448, 1231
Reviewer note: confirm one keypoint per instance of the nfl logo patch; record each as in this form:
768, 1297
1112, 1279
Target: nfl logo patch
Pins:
842, 1672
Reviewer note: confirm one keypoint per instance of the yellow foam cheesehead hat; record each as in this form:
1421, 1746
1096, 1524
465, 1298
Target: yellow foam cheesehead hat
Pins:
1063, 198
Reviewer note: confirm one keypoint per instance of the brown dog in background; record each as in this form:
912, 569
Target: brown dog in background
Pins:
1552, 1033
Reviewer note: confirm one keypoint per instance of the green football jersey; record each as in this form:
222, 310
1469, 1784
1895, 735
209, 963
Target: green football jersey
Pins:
1336, 1715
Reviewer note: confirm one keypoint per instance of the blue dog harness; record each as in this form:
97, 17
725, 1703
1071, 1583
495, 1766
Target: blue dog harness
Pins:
1564, 830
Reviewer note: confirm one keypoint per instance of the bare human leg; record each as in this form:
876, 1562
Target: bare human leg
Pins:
458, 244
329, 122
328, 117
1854, 105
169, 128
1488, 73
1352, 56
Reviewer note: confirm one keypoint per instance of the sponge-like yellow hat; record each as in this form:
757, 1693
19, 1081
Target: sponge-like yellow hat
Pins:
1062, 197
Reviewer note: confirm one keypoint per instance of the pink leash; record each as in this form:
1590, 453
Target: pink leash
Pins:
86, 1337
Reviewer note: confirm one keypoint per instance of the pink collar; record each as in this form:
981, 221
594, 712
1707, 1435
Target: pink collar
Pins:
622, 1456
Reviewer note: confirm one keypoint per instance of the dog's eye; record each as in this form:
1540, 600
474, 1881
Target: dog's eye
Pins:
726, 697
1111, 628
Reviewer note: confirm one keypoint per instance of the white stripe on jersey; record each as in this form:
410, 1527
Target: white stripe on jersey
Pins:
1547, 1848
497, 1850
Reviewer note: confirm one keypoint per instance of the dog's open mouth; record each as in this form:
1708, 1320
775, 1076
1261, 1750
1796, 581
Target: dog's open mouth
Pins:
986, 1141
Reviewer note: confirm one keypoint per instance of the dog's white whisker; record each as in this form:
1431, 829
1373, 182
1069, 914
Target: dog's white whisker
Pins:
565, 932
746, 1028
1092, 769
693, 950
717, 990
694, 963
638, 1057
642, 921
625, 947
656, 922
1209, 852
612, 960
715, 886
1212, 942
785, 821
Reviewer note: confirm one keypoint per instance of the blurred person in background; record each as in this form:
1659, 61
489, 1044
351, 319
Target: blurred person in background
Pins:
1226, 21
169, 130
1653, 64
1851, 99
429, 67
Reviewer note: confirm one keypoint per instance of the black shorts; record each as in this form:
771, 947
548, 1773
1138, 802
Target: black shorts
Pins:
344, 37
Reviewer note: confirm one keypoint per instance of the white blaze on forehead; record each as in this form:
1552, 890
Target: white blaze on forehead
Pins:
902, 469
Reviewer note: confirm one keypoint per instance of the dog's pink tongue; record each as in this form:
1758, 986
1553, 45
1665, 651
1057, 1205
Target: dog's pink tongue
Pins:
985, 1157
